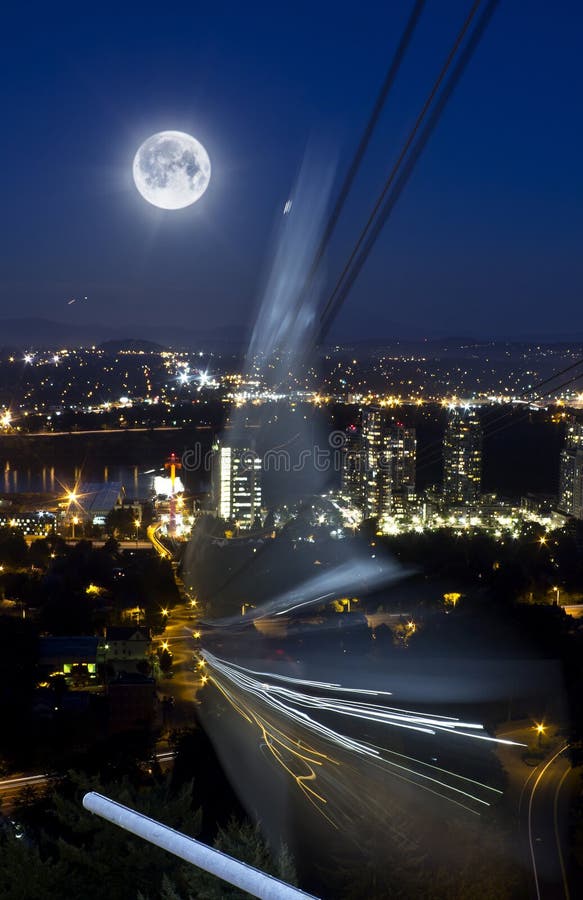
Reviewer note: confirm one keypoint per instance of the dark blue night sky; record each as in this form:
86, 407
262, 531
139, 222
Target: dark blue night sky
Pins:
487, 239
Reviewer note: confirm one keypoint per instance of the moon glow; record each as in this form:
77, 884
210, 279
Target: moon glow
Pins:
171, 170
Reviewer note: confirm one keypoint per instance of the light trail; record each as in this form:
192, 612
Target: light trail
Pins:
321, 685
242, 687
288, 609
24, 780
346, 578
371, 712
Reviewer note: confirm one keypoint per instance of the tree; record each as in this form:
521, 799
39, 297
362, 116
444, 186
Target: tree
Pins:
13, 549
70, 853
67, 852
165, 659
119, 523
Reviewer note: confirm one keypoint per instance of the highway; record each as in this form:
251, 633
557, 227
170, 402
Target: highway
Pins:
12, 787
157, 543
344, 754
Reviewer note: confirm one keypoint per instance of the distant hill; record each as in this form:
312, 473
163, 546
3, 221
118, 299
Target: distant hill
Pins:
30, 333
20, 334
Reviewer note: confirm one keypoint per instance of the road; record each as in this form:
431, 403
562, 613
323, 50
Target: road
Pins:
541, 796
339, 754
179, 638
544, 812
159, 547
12, 786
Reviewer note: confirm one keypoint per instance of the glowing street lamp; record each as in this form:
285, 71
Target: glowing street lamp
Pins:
540, 729
74, 521
165, 612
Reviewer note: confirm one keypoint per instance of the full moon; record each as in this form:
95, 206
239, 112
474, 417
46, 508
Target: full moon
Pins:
171, 170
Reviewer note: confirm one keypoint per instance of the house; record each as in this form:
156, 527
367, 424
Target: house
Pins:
76, 657
127, 646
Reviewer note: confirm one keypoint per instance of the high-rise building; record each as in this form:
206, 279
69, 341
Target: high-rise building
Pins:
237, 484
462, 457
391, 450
571, 472
354, 467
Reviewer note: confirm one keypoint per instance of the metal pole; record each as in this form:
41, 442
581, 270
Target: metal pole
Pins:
219, 864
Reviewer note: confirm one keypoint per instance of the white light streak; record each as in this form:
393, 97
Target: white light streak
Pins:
291, 703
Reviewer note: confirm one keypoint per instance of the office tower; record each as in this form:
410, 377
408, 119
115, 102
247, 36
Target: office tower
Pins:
391, 451
571, 472
462, 457
353, 475
237, 481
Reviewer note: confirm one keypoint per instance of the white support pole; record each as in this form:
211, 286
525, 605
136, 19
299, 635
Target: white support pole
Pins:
232, 870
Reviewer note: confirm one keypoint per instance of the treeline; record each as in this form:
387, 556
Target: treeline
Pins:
52, 848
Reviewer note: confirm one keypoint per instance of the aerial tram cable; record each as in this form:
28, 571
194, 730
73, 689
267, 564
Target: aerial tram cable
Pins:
488, 425
414, 145
489, 431
384, 92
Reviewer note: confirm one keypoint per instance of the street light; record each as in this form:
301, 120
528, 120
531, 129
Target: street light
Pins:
137, 524
74, 521
558, 590
540, 728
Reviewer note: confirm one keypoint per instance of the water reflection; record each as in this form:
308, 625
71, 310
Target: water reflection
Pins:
138, 485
